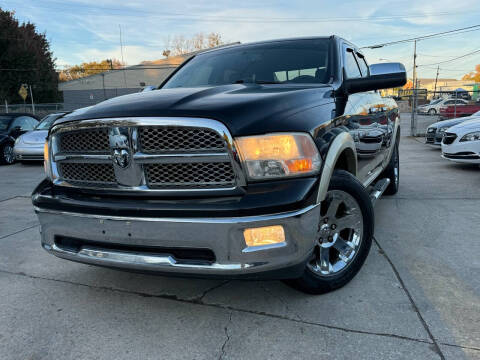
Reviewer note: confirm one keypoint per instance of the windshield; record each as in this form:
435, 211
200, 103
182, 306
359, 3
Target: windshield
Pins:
47, 122
433, 102
294, 61
4, 122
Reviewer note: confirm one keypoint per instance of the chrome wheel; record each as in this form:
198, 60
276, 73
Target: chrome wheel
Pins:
8, 155
339, 234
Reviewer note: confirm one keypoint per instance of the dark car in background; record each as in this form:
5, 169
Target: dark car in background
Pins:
29, 146
12, 125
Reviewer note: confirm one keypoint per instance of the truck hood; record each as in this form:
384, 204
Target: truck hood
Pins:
243, 108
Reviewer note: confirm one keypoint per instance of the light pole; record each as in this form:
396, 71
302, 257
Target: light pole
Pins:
414, 100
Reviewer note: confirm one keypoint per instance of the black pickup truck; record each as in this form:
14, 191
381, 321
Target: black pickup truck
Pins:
258, 161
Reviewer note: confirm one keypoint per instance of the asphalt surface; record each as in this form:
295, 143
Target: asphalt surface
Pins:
417, 297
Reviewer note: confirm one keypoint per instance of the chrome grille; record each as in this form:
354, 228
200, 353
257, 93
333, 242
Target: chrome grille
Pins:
146, 154
89, 173
164, 139
91, 140
190, 175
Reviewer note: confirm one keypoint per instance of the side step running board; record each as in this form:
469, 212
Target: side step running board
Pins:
377, 190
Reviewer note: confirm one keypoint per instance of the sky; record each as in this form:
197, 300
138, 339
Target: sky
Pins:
87, 30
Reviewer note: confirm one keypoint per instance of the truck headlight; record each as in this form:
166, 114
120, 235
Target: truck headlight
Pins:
471, 136
278, 155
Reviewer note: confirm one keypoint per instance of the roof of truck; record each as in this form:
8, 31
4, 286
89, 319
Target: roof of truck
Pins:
267, 42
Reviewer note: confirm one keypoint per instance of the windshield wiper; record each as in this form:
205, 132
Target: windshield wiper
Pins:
267, 82
241, 81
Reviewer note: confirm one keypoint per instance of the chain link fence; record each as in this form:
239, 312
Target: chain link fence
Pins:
40, 110
412, 103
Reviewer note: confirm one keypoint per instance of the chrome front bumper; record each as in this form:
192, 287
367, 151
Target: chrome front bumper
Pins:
224, 236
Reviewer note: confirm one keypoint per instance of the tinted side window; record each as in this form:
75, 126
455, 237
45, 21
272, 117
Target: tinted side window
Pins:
351, 67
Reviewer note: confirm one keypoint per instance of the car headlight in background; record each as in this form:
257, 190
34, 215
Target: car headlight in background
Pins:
473, 136
443, 129
278, 155
430, 130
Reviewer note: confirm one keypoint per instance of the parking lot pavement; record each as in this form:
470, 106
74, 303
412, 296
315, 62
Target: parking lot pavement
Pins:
417, 297
19, 180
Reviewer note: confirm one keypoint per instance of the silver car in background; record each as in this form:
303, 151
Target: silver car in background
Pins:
29, 146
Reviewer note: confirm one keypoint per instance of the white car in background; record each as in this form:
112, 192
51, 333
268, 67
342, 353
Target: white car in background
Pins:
434, 133
434, 107
461, 143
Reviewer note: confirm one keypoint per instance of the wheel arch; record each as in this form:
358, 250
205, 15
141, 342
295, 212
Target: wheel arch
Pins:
342, 155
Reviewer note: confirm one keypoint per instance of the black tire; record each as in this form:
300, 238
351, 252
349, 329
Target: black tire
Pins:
6, 157
392, 171
432, 112
314, 283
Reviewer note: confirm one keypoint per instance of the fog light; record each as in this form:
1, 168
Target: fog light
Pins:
264, 235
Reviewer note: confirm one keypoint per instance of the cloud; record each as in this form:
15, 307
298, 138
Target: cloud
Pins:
86, 30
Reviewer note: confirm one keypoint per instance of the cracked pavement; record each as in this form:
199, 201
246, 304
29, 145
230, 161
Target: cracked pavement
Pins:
417, 297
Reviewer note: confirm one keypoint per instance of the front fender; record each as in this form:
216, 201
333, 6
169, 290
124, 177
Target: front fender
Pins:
342, 144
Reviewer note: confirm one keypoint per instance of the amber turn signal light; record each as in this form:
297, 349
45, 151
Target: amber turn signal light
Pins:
266, 235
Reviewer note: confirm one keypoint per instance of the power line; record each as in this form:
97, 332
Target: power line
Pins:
18, 69
98, 69
104, 11
455, 58
451, 70
437, 56
430, 36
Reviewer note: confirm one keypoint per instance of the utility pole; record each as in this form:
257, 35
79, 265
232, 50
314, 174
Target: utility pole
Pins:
121, 52
414, 91
103, 82
31, 97
456, 97
436, 79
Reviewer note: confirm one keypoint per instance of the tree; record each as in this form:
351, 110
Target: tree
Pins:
474, 75
180, 45
87, 69
408, 85
25, 58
